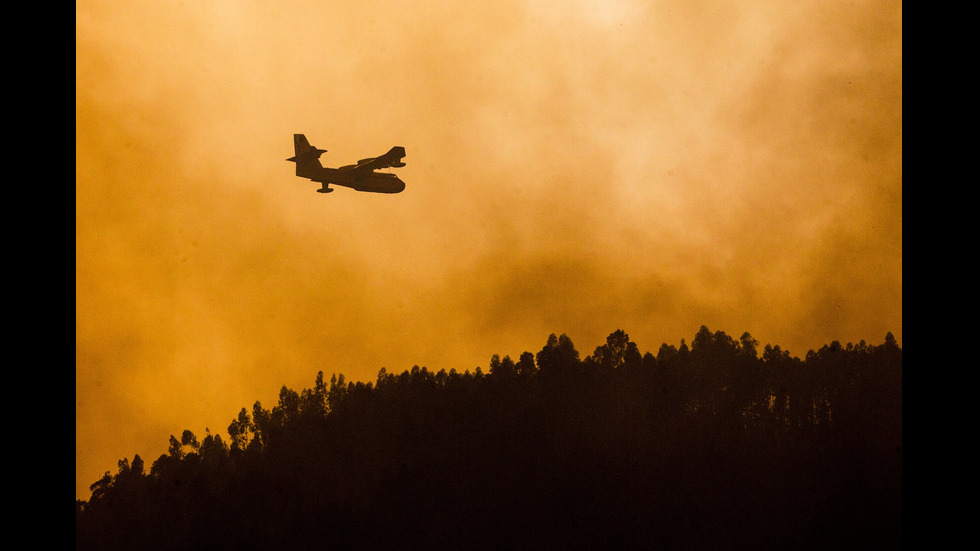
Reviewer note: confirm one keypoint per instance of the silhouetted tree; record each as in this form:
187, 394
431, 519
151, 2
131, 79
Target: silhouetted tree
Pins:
188, 439
525, 366
262, 423
239, 430
611, 355
558, 356
502, 369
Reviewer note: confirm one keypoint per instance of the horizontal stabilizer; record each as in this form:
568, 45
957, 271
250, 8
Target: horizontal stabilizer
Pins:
307, 157
303, 150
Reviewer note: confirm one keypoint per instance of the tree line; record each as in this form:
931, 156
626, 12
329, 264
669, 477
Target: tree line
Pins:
716, 445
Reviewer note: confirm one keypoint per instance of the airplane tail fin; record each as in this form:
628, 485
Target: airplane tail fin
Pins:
398, 152
307, 157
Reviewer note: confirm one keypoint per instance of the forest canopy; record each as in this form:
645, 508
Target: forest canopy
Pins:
716, 444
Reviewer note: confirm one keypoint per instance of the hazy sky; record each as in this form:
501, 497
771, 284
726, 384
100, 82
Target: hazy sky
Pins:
573, 166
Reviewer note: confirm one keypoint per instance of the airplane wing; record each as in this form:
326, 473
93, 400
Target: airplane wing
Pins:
390, 159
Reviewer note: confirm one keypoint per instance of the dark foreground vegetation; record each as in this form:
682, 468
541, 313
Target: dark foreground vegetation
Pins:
712, 446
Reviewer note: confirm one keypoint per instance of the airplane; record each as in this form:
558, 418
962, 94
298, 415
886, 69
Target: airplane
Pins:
360, 176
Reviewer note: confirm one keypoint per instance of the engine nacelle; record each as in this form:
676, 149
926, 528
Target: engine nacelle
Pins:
325, 190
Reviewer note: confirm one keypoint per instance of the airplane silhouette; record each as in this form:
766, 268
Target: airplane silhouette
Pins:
360, 176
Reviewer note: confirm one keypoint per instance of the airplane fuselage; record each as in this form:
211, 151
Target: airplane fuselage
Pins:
374, 182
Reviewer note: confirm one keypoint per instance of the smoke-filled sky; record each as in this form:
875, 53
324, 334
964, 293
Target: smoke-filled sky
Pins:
573, 166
